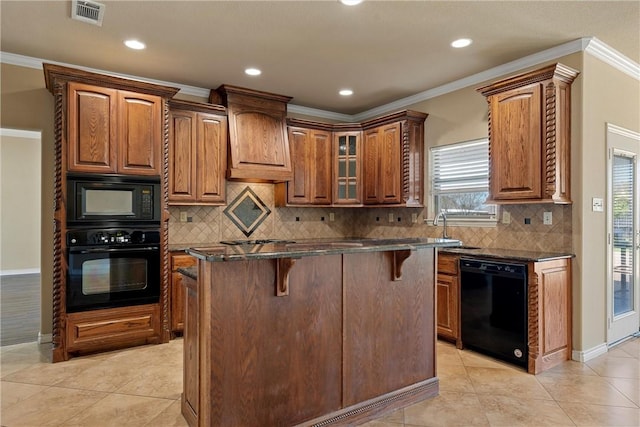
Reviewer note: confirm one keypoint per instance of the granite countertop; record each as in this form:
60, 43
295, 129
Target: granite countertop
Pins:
311, 247
506, 254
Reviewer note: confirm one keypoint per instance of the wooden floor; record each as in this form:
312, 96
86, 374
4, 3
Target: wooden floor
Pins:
19, 309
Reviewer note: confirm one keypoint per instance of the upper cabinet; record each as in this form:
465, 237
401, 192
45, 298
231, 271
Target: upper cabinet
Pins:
347, 165
113, 131
110, 124
311, 148
393, 159
382, 161
197, 153
530, 136
258, 140
376, 163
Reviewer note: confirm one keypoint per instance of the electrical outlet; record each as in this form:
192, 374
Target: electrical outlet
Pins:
506, 217
332, 216
414, 218
390, 217
547, 218
183, 216
597, 204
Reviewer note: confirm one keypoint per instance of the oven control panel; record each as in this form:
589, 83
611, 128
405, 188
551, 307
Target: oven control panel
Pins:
112, 236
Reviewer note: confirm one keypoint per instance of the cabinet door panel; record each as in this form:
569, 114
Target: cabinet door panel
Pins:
299, 191
390, 174
516, 147
182, 157
371, 167
92, 129
347, 164
447, 308
211, 157
140, 148
321, 176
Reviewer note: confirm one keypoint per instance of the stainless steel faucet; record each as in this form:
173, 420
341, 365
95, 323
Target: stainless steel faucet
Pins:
444, 223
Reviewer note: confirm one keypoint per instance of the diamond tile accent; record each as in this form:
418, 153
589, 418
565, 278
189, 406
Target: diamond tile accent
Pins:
247, 211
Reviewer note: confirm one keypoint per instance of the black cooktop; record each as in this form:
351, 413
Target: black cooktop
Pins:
254, 242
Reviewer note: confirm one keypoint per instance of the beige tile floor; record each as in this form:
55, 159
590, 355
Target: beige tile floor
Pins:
141, 387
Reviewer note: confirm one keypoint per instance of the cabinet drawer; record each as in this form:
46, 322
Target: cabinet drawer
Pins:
182, 260
447, 264
100, 328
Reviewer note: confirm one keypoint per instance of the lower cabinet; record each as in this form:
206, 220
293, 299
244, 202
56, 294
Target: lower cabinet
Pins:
98, 329
549, 314
190, 352
178, 260
448, 298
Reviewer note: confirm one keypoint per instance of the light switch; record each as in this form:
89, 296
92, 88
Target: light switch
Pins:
332, 216
597, 205
414, 218
183, 216
390, 217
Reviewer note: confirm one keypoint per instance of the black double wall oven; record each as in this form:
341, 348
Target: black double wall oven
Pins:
113, 241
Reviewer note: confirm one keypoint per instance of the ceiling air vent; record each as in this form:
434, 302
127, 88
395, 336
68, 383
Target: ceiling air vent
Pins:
87, 11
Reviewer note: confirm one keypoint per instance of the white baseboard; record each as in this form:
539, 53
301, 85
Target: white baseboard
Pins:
19, 272
592, 353
44, 338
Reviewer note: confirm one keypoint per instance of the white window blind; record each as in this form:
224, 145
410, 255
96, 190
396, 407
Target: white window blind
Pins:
460, 179
460, 167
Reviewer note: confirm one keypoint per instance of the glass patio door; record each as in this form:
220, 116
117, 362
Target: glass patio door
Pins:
623, 234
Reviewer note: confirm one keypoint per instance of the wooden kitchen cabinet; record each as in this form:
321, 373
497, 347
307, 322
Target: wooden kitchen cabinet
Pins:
178, 260
311, 159
191, 357
549, 314
379, 162
448, 298
530, 136
258, 140
382, 165
197, 154
347, 176
100, 329
113, 131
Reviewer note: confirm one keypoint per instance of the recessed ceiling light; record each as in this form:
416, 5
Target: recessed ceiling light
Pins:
253, 71
350, 2
346, 92
134, 44
461, 43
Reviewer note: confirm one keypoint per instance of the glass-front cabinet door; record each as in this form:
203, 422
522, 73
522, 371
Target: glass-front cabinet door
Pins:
347, 176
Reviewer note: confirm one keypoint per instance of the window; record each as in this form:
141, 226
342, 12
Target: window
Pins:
460, 181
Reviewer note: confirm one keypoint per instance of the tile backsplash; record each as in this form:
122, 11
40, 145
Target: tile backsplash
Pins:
209, 224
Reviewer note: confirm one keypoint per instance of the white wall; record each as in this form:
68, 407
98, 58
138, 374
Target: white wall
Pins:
20, 211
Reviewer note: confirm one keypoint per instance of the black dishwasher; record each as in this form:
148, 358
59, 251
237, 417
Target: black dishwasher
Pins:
494, 308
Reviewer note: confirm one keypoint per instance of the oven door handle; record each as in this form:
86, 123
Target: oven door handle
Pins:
94, 251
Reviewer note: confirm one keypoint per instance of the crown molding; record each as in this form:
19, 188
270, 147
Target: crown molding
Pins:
475, 79
606, 53
590, 45
30, 62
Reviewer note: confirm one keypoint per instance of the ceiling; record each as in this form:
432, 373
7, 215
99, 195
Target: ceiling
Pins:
383, 50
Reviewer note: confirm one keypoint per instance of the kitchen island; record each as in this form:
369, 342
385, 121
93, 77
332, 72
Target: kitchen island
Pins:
314, 332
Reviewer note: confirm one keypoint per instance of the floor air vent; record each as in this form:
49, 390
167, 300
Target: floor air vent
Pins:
87, 11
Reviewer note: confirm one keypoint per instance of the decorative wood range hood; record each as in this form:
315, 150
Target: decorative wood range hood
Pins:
258, 140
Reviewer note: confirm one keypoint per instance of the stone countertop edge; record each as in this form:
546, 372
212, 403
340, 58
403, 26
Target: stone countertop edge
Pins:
313, 247
507, 254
